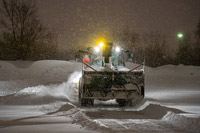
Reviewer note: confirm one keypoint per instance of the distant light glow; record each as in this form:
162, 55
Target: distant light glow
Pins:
117, 49
101, 44
180, 35
96, 49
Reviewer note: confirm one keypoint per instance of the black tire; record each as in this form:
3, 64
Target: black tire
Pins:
121, 102
79, 92
130, 103
87, 102
91, 102
142, 91
83, 102
79, 97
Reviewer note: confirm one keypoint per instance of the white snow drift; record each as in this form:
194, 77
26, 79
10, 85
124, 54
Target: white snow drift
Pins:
171, 104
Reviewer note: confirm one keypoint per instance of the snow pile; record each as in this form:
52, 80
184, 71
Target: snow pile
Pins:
151, 111
57, 108
17, 75
156, 111
170, 77
41, 91
50, 69
53, 107
188, 124
85, 121
69, 110
48, 86
44, 94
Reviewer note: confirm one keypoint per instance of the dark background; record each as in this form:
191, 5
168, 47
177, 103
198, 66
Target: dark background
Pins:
58, 29
76, 21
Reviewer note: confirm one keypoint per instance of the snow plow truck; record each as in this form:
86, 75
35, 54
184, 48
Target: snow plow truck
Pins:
105, 77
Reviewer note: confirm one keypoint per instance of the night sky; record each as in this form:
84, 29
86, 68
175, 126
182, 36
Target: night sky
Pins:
78, 21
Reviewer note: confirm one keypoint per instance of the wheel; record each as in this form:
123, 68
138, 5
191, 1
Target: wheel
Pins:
84, 102
142, 90
87, 102
91, 102
79, 97
130, 102
121, 102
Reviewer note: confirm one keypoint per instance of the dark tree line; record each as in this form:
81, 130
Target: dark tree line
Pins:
197, 45
189, 49
153, 47
23, 36
150, 47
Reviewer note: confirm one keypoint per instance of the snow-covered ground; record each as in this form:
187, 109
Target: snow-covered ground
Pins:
36, 97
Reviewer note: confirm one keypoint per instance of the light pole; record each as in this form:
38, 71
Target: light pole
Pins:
180, 35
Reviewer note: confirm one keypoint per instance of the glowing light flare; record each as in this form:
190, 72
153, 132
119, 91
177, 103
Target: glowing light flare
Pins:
117, 49
180, 35
101, 44
96, 49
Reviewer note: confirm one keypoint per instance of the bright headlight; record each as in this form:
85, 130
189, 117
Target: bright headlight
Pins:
117, 49
101, 44
96, 49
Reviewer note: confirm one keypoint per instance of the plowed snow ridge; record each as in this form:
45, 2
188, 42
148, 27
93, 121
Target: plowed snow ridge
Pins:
171, 92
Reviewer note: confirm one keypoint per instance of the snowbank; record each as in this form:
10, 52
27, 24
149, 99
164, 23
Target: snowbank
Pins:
51, 78
43, 93
187, 124
47, 83
170, 77
151, 111
17, 75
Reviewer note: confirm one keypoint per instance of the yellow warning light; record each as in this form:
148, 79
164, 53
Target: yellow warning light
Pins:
101, 44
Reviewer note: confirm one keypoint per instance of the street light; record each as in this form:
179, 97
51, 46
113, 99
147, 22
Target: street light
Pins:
180, 35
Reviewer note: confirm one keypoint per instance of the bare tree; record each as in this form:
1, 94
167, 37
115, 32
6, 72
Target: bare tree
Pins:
130, 41
155, 49
128, 38
23, 31
197, 45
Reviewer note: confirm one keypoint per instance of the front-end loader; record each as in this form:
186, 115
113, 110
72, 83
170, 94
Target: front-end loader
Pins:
105, 77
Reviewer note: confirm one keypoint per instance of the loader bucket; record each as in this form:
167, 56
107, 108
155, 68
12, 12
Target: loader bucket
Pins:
112, 85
